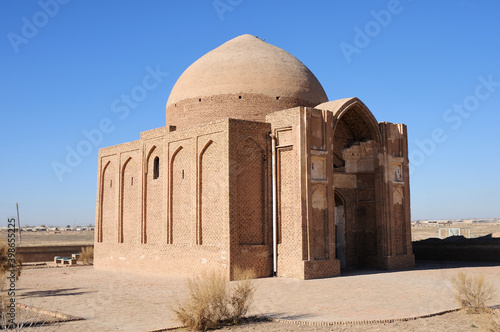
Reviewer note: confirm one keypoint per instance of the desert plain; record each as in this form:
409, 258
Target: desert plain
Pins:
361, 300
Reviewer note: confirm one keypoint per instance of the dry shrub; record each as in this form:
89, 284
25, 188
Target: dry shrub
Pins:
86, 255
10, 267
243, 291
25, 319
490, 321
205, 305
211, 301
473, 292
6, 265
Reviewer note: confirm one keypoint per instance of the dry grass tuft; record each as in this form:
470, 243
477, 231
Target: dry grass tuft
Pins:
490, 321
23, 319
86, 255
211, 302
473, 292
205, 305
10, 271
7, 264
243, 291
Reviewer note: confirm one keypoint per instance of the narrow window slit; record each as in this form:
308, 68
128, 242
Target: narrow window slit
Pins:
156, 168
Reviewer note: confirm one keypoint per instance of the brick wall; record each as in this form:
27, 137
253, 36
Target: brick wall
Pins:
244, 106
155, 193
250, 196
46, 253
173, 220
286, 128
179, 201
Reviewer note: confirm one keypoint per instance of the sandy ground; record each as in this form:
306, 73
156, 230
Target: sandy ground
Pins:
451, 322
112, 301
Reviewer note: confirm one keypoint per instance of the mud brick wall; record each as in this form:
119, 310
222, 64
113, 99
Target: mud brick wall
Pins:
46, 253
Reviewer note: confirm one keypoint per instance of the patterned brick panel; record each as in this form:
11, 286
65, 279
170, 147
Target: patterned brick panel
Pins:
289, 214
288, 196
211, 178
182, 195
320, 232
131, 203
398, 222
251, 198
397, 205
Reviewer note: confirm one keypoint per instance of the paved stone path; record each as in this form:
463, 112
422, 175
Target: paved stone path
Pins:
112, 301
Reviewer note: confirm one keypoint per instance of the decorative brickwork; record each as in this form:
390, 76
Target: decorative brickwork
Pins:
131, 202
154, 196
109, 203
210, 178
181, 194
251, 180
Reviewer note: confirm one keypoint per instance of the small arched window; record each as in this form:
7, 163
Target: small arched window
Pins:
156, 168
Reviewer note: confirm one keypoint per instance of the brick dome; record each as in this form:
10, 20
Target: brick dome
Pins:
244, 78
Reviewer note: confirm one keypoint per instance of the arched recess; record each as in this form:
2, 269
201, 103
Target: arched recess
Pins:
153, 198
181, 196
320, 229
130, 223
210, 198
251, 192
356, 141
152, 153
354, 124
108, 227
340, 236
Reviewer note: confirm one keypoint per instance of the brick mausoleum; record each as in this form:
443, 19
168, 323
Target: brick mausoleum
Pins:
256, 168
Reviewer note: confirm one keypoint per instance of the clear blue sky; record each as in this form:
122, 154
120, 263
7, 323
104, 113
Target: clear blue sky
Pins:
433, 65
